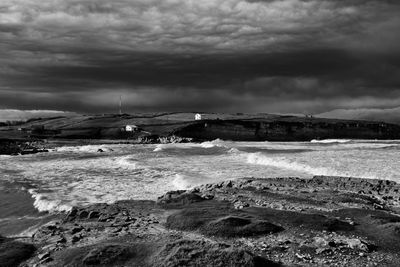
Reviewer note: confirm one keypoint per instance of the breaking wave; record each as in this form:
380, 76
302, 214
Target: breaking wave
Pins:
234, 150
125, 162
159, 147
260, 159
214, 143
79, 177
42, 204
181, 183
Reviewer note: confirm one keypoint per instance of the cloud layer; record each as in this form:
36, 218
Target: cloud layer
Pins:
226, 55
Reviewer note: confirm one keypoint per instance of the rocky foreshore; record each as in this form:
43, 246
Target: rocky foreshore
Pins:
21, 147
324, 221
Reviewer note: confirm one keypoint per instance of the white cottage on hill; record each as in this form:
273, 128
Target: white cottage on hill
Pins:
131, 128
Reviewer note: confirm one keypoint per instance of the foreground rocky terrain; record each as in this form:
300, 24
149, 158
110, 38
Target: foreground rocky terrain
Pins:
325, 221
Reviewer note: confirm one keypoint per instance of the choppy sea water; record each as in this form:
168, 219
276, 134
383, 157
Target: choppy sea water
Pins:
81, 175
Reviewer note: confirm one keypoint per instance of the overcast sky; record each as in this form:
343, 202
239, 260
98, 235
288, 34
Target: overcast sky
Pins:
288, 56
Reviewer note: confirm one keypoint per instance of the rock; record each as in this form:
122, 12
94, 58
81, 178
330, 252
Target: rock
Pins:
322, 250
194, 190
120, 223
355, 243
58, 239
207, 196
279, 249
76, 238
232, 226
350, 221
334, 225
50, 247
240, 204
227, 184
16, 147
43, 255
46, 260
201, 253
332, 244
100, 150
107, 254
76, 229
83, 214
320, 242
105, 218
72, 213
93, 214
180, 197
378, 206
303, 256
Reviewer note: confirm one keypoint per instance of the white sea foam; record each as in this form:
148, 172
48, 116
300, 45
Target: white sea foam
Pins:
281, 162
207, 145
233, 150
125, 162
159, 147
41, 203
214, 143
331, 141
65, 179
181, 183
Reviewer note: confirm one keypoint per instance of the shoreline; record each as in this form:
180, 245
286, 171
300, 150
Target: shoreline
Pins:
330, 221
18, 146
18, 213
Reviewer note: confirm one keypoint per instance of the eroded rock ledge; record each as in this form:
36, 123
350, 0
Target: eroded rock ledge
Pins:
325, 221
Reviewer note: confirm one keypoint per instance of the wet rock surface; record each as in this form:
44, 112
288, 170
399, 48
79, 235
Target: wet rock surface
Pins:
325, 221
201, 253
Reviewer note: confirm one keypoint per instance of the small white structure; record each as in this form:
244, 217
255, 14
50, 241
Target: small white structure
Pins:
197, 117
131, 128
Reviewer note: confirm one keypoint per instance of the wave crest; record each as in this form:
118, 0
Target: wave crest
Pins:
42, 204
159, 147
260, 159
214, 143
181, 183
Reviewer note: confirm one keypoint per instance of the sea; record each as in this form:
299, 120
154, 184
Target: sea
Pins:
33, 188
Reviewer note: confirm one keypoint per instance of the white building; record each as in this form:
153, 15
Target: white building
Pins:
197, 117
131, 128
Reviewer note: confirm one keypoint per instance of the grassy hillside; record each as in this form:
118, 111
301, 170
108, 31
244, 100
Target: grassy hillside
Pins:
213, 125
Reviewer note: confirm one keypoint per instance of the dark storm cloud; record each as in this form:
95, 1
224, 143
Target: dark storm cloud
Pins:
232, 55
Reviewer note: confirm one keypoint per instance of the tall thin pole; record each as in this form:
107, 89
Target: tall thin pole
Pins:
120, 105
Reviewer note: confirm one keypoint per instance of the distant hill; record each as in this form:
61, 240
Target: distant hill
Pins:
23, 115
237, 127
371, 114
